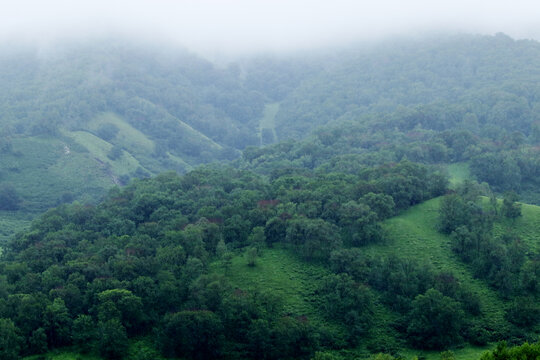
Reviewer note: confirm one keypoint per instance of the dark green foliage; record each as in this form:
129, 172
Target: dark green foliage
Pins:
454, 212
9, 199
511, 209
524, 312
294, 337
84, 332
191, 334
313, 239
57, 323
10, 341
37, 343
501, 261
251, 256
115, 152
435, 321
351, 302
95, 276
107, 131
499, 170
112, 339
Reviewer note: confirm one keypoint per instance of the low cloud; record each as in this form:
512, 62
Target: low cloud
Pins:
242, 26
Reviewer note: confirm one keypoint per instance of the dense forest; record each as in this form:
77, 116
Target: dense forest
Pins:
152, 260
316, 159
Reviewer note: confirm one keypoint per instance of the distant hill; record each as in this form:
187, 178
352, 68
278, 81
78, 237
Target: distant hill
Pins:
76, 119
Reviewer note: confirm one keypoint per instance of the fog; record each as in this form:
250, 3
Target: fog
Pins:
245, 26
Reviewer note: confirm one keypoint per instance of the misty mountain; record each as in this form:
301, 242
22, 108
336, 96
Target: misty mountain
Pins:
493, 78
83, 117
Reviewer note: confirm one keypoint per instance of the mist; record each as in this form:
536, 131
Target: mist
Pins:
213, 27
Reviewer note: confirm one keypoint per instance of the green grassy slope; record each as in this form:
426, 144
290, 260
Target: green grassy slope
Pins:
410, 234
280, 271
130, 138
11, 223
99, 149
134, 142
414, 234
268, 120
46, 171
43, 168
526, 227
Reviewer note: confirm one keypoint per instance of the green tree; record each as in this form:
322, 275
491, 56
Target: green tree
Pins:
435, 321
9, 340
511, 209
123, 305
524, 312
383, 205
57, 323
38, 342
315, 239
221, 249
251, 256
275, 230
84, 332
345, 299
191, 334
257, 238
112, 339
453, 212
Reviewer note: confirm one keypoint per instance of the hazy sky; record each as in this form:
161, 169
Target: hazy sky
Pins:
257, 25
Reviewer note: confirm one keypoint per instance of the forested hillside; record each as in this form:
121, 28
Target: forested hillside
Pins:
328, 230
78, 119
155, 260
108, 111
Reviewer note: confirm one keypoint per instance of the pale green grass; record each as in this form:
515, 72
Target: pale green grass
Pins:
178, 160
458, 172
269, 115
129, 137
526, 227
211, 144
99, 149
268, 119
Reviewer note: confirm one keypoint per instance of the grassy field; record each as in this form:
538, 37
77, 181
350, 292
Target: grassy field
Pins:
414, 234
130, 138
280, 271
526, 227
99, 148
268, 119
63, 355
11, 223
458, 172
141, 148
42, 169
